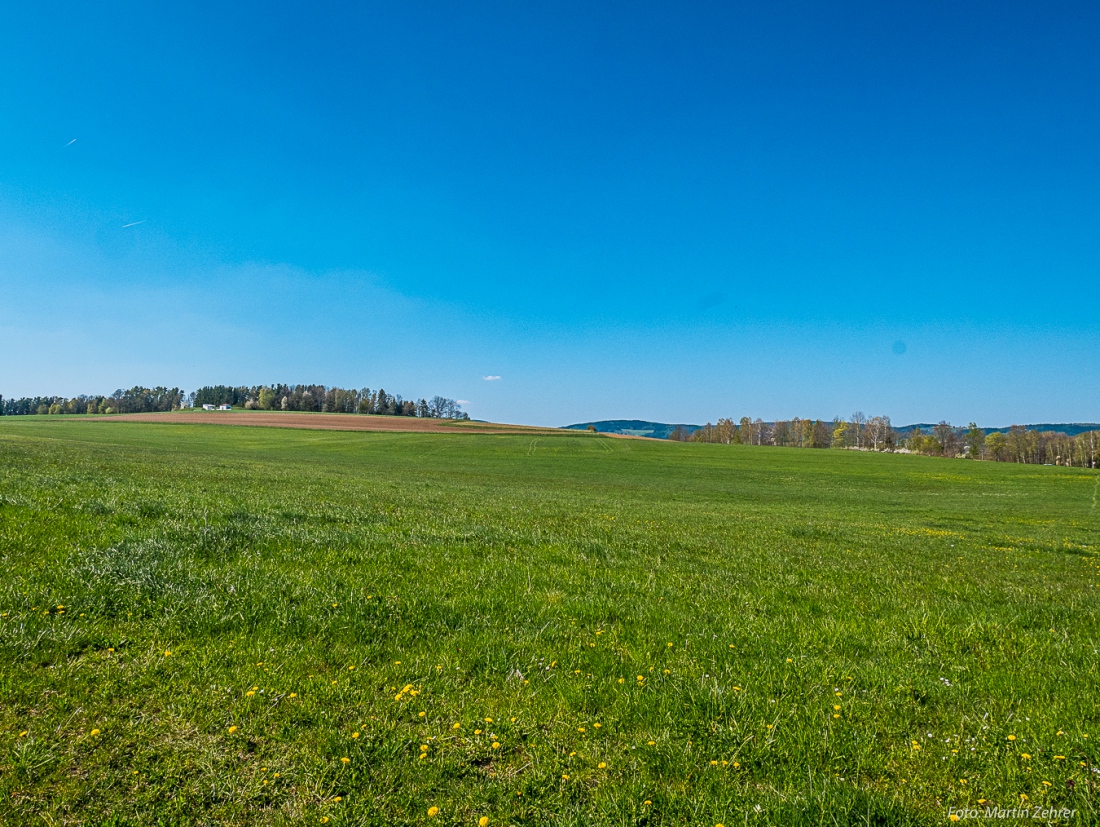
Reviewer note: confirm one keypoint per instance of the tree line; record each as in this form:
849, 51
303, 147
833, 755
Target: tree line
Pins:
319, 399
134, 400
312, 398
876, 433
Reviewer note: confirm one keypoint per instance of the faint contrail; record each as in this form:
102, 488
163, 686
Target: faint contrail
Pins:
70, 143
133, 224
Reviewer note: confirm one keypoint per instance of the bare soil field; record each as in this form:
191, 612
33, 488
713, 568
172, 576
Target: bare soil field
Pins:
326, 422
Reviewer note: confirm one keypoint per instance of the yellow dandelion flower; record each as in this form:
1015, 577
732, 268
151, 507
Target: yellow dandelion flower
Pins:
249, 693
790, 660
1025, 756
345, 760
736, 764
483, 821
422, 756
602, 765
597, 726
580, 729
95, 732
23, 734
836, 707
423, 747
167, 653
477, 732
622, 680
433, 812
646, 803
1059, 758
714, 763
338, 799
232, 729
496, 744
1011, 737
293, 694
457, 726
952, 817
324, 819
565, 777
421, 714
651, 743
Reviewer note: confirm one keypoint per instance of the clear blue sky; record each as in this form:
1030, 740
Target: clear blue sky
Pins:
624, 210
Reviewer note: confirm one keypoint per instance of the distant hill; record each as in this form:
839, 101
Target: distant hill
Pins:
634, 427
661, 430
1070, 429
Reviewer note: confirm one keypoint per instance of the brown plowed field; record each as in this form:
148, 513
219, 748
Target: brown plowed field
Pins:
326, 422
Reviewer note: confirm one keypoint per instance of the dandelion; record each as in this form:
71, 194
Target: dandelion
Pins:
232, 729
477, 732
602, 765
423, 747
293, 694
433, 812
790, 660
483, 821
95, 732
597, 726
421, 714
1011, 737
457, 726
580, 729
23, 734
646, 803
651, 743
345, 760
324, 819
355, 735
249, 693
496, 744
1059, 758
167, 653
1025, 756
565, 777
952, 817
622, 680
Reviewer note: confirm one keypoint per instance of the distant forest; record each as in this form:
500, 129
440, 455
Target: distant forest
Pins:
1017, 444
314, 398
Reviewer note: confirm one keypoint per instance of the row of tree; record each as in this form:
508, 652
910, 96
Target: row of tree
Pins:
134, 400
876, 433
316, 398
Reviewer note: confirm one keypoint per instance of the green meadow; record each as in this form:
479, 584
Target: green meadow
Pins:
207, 624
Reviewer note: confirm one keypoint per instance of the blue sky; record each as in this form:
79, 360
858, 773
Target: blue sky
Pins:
624, 210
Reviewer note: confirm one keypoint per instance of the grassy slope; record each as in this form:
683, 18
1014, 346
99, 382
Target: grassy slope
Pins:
689, 615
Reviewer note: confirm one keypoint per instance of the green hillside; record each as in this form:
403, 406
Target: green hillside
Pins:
207, 624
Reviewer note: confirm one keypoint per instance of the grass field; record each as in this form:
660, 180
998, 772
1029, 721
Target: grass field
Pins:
222, 625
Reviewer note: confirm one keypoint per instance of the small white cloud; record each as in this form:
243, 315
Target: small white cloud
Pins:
490, 378
463, 401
